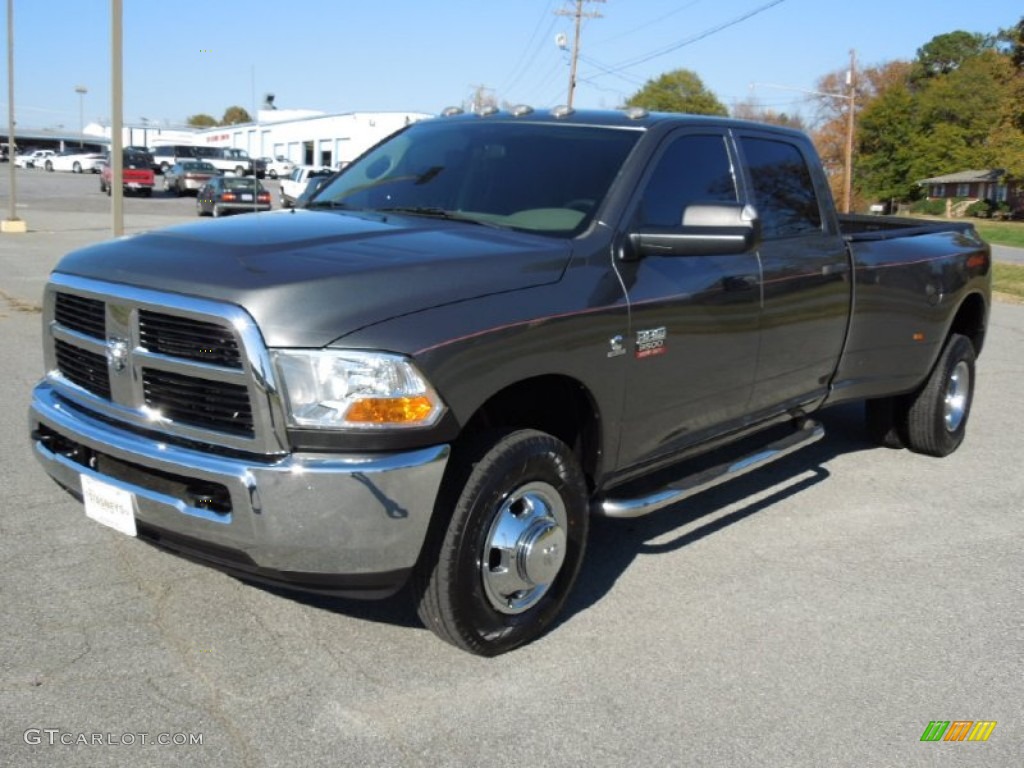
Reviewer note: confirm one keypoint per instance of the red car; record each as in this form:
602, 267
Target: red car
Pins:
137, 174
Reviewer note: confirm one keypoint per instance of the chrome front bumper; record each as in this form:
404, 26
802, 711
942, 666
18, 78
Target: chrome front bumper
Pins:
339, 524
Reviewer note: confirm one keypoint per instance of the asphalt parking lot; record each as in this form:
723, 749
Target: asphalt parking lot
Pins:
819, 612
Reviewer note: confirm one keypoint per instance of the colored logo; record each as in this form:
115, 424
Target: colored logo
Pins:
958, 730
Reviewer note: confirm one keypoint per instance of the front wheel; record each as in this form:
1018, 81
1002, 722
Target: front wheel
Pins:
76, 168
500, 572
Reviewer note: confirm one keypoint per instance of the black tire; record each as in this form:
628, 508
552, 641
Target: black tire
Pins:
217, 212
937, 414
884, 419
199, 207
272, 174
147, 192
471, 591
49, 166
77, 167
103, 185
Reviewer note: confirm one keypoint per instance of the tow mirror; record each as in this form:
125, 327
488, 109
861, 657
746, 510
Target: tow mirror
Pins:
707, 229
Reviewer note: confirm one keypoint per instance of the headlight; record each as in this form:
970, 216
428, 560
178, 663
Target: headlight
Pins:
339, 389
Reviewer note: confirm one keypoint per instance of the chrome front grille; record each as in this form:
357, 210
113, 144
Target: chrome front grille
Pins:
215, 405
188, 338
86, 369
190, 368
84, 315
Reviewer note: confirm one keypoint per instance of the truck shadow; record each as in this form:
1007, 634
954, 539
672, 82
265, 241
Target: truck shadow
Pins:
614, 544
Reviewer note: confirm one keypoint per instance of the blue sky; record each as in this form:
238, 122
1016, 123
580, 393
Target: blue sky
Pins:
182, 57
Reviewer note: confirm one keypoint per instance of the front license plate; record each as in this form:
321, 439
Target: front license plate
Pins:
114, 507
247, 198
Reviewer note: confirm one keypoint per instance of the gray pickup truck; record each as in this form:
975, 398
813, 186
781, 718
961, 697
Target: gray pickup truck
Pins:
485, 330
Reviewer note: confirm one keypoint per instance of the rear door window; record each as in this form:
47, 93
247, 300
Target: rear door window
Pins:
783, 188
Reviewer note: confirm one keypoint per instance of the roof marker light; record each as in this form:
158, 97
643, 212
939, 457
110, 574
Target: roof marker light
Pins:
451, 111
490, 109
636, 113
563, 110
521, 109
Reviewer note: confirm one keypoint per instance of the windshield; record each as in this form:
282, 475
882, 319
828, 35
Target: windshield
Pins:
541, 177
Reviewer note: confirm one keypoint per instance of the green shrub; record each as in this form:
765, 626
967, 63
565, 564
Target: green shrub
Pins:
980, 210
929, 207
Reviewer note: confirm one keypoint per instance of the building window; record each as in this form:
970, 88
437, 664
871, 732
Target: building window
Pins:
938, 190
963, 190
1001, 193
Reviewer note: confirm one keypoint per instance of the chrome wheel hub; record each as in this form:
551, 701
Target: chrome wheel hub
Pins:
524, 549
958, 387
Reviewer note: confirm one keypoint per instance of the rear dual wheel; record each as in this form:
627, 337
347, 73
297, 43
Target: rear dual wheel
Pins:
932, 420
497, 576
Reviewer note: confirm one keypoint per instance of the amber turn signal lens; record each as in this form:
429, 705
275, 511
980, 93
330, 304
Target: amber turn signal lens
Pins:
390, 410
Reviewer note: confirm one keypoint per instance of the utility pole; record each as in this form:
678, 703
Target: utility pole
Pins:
851, 83
579, 15
12, 223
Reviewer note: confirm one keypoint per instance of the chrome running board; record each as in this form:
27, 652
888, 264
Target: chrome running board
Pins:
809, 432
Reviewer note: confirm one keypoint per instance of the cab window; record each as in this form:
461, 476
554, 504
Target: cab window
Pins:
692, 169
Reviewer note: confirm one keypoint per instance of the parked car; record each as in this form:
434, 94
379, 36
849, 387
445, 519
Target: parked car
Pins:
33, 158
76, 161
231, 194
136, 173
227, 159
188, 176
169, 154
279, 167
296, 182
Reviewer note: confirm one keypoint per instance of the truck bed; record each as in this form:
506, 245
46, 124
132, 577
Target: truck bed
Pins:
860, 227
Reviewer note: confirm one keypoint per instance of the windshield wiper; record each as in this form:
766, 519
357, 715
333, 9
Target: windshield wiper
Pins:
336, 204
434, 213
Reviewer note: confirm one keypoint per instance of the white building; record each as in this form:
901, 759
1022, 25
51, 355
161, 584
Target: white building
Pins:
302, 136
308, 138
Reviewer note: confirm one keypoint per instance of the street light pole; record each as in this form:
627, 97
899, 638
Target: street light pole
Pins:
81, 90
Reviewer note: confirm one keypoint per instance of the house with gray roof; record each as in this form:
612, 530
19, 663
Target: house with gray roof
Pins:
990, 184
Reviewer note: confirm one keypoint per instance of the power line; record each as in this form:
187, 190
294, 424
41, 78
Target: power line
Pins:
526, 61
616, 69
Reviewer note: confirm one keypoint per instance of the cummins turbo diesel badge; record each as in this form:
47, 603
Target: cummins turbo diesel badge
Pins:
650, 342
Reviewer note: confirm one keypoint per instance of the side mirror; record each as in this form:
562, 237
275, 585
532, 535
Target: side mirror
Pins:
707, 229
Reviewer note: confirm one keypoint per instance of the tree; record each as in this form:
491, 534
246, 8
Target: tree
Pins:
235, 115
201, 121
751, 110
886, 131
678, 91
946, 53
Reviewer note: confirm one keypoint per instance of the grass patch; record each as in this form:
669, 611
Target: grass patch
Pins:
1008, 279
1001, 232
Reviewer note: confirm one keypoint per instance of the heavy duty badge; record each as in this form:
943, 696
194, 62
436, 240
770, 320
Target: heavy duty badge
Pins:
650, 342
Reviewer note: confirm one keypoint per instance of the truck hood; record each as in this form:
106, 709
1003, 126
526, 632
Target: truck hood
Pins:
310, 277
